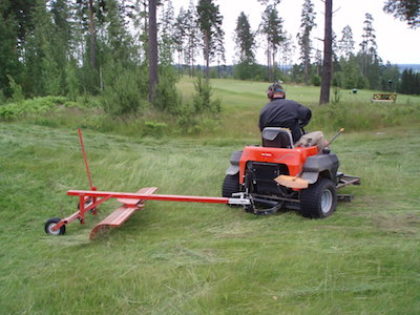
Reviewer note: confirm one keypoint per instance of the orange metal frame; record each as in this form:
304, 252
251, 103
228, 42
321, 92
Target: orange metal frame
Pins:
292, 158
90, 199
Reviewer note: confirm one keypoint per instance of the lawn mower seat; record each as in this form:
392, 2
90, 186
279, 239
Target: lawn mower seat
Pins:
275, 137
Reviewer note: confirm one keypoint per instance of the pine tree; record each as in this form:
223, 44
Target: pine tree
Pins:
346, 43
324, 97
390, 75
91, 15
368, 44
307, 24
245, 39
272, 28
210, 23
15, 23
117, 38
410, 82
180, 35
267, 2
368, 56
245, 43
405, 10
62, 38
9, 56
192, 36
42, 71
153, 51
167, 28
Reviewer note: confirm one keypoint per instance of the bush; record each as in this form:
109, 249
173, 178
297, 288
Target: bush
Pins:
187, 120
34, 106
202, 101
167, 96
2, 97
316, 80
17, 92
155, 129
124, 93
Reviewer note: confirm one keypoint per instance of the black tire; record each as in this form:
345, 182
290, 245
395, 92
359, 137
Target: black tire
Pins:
319, 200
230, 185
50, 223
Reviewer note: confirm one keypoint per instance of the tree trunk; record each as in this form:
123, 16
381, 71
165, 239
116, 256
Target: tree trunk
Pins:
191, 62
92, 35
153, 51
145, 32
327, 62
306, 65
207, 55
274, 75
269, 68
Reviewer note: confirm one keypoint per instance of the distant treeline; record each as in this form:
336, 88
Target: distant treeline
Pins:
79, 48
395, 78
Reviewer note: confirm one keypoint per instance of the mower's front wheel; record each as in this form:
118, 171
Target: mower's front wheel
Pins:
49, 225
230, 185
319, 200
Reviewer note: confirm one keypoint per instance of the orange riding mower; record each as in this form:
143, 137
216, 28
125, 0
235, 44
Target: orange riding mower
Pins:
261, 179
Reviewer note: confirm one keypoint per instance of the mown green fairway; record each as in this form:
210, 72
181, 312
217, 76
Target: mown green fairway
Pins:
182, 258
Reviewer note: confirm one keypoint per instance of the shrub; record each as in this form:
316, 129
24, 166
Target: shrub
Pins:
316, 80
2, 97
202, 98
167, 97
123, 95
17, 92
155, 129
34, 106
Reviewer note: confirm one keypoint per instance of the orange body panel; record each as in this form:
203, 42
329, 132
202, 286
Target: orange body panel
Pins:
292, 158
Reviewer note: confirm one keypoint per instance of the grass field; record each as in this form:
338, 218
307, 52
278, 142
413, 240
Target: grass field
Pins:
180, 258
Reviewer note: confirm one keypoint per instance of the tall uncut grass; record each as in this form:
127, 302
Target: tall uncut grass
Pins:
241, 103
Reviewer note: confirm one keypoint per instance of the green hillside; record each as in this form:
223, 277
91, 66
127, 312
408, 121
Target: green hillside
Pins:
184, 258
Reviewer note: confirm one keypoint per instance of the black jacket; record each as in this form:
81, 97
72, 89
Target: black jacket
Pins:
286, 114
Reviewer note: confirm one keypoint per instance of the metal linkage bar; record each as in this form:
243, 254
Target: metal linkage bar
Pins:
179, 198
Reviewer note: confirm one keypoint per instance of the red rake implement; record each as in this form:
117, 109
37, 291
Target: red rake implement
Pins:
89, 201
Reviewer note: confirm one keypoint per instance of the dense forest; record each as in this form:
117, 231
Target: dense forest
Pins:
106, 48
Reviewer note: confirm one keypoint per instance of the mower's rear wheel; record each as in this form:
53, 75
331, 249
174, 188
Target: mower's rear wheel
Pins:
230, 185
319, 200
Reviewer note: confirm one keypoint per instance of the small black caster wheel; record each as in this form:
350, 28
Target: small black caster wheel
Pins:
48, 227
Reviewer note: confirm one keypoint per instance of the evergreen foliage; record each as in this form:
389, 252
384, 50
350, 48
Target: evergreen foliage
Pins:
245, 43
202, 99
410, 82
98, 49
405, 10
272, 29
307, 24
210, 24
245, 39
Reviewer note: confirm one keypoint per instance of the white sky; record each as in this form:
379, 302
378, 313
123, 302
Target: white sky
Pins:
397, 43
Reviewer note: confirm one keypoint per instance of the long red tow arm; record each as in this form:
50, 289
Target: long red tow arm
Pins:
110, 194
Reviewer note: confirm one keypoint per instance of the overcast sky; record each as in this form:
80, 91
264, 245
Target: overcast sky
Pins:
396, 42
